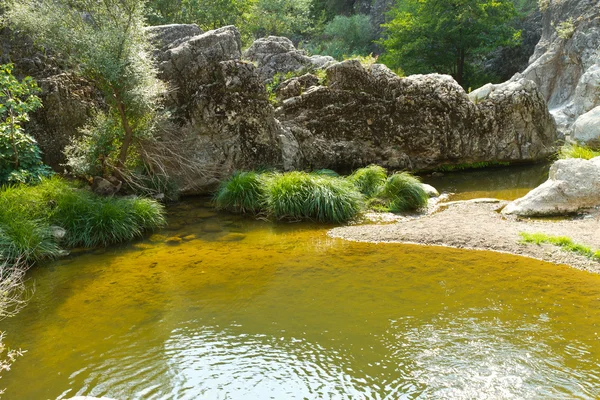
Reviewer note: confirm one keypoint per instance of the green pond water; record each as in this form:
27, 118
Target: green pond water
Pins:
224, 307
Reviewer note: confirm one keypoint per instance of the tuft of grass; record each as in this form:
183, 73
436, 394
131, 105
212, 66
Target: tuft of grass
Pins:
563, 242
369, 180
299, 195
243, 192
29, 216
404, 192
574, 150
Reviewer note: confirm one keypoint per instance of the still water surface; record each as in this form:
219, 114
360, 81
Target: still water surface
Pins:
242, 309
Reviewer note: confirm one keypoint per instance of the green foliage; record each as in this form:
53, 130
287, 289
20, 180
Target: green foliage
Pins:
403, 192
20, 156
105, 42
543, 5
243, 192
274, 84
346, 36
574, 150
298, 195
369, 180
474, 165
565, 29
208, 14
290, 18
563, 242
446, 36
29, 213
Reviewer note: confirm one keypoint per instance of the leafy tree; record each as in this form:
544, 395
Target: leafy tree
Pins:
20, 156
208, 14
105, 42
290, 18
446, 36
331, 8
347, 36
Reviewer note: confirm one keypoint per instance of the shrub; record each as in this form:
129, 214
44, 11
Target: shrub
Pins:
298, 195
369, 180
574, 150
347, 36
565, 29
243, 192
404, 192
20, 156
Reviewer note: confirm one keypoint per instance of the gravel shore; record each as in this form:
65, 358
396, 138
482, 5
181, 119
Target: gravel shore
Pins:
479, 226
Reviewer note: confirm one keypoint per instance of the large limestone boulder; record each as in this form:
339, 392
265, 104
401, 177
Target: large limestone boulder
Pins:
586, 128
275, 54
572, 185
219, 104
370, 115
565, 68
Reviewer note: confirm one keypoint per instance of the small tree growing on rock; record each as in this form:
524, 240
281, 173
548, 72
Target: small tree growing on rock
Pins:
104, 41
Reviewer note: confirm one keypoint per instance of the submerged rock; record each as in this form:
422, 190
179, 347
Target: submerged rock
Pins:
573, 185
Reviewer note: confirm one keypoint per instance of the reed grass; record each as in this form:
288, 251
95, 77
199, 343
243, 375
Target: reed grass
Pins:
403, 192
243, 192
369, 180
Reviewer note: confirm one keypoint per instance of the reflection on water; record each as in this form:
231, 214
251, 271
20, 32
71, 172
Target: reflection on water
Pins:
505, 183
242, 309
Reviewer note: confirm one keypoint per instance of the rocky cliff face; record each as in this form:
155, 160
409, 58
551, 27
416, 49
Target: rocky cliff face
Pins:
566, 67
363, 115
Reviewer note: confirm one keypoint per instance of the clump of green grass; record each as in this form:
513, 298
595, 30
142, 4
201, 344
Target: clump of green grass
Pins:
369, 180
298, 195
243, 192
29, 215
574, 150
563, 242
326, 172
403, 192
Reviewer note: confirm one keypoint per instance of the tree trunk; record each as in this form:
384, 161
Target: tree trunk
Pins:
12, 138
128, 138
460, 66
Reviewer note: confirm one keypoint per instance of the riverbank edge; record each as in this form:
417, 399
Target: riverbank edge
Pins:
479, 227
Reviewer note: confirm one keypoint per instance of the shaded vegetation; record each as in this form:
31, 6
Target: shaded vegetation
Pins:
32, 218
475, 165
563, 242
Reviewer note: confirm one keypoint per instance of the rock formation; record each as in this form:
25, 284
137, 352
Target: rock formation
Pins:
573, 184
370, 115
566, 66
275, 54
68, 101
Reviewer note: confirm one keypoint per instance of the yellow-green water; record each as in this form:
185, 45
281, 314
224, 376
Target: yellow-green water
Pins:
243, 309
505, 183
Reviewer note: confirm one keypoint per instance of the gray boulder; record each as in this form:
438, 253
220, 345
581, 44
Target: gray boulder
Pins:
586, 128
370, 115
275, 54
224, 121
295, 86
565, 69
573, 185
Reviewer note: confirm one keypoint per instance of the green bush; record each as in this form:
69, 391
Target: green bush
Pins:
29, 213
369, 180
347, 36
243, 192
20, 156
298, 195
404, 192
